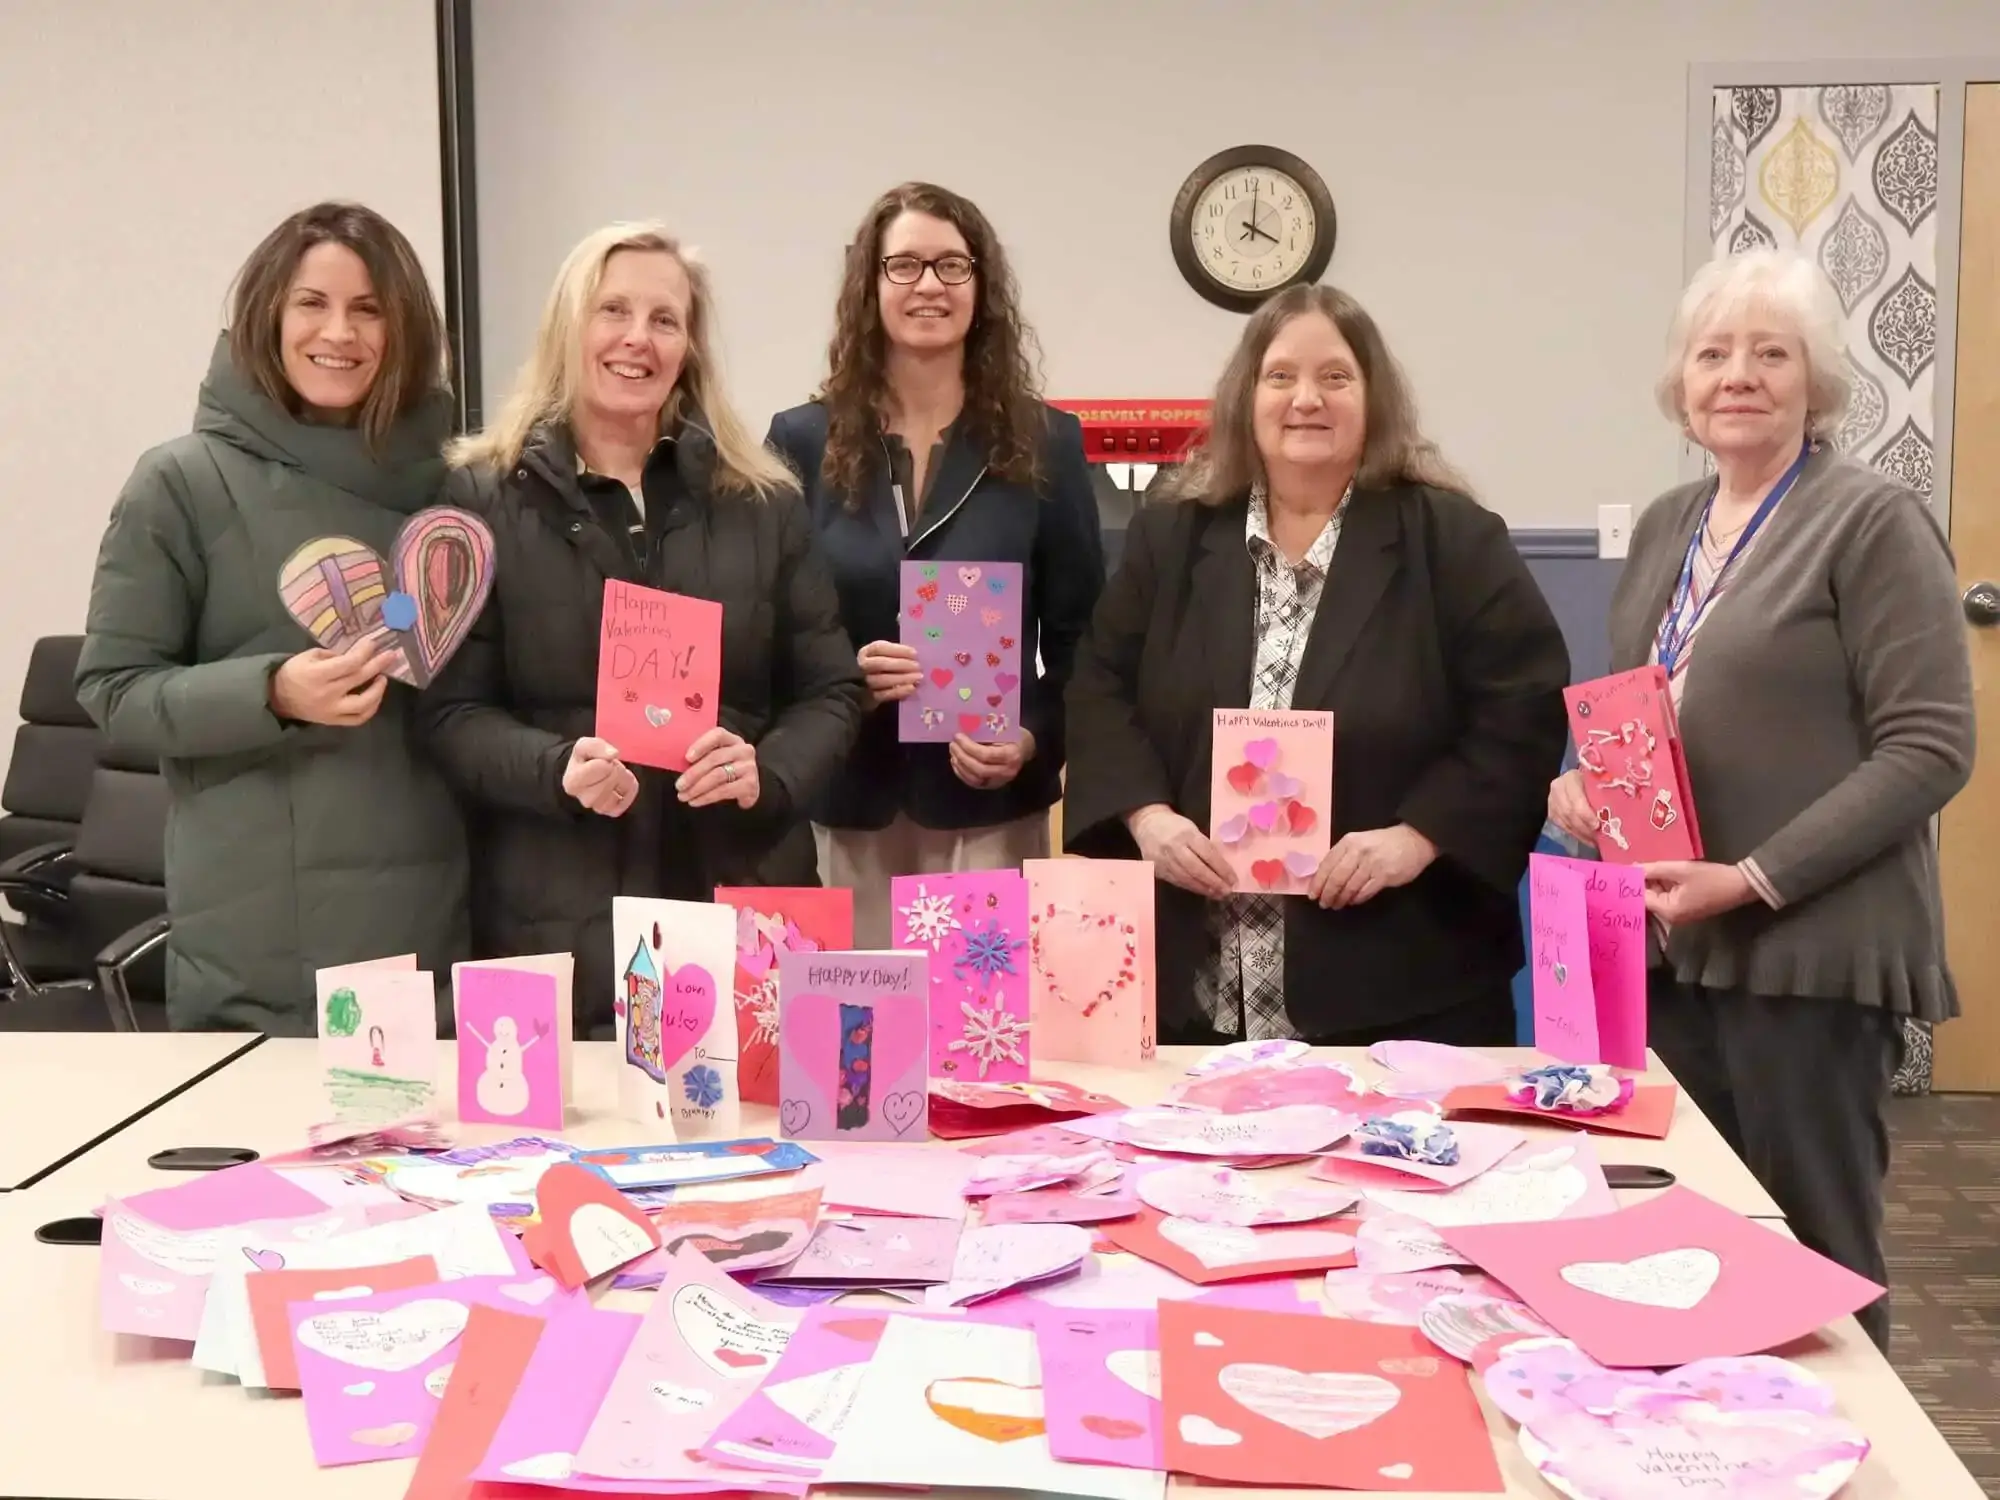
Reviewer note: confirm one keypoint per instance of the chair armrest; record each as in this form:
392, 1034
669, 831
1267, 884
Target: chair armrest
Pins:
119, 955
42, 871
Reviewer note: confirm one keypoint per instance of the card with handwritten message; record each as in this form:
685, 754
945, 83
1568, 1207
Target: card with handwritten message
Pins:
659, 673
1588, 921
853, 1040
964, 619
1628, 747
1271, 795
676, 1027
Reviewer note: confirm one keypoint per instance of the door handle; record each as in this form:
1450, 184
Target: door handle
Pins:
1982, 605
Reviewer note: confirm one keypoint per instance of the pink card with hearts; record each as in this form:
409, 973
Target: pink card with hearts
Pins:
1091, 989
701, 1349
1588, 960
1271, 795
676, 963
509, 1067
964, 619
1628, 748
853, 1046
974, 925
1675, 1278
373, 1369
1101, 1386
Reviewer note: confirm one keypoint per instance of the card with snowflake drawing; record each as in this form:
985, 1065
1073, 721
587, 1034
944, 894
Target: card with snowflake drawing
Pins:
1090, 960
974, 924
773, 920
853, 1046
964, 619
1270, 796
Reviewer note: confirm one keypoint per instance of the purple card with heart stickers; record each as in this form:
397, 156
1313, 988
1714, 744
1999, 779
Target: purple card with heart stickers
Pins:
975, 926
373, 1369
853, 1044
965, 621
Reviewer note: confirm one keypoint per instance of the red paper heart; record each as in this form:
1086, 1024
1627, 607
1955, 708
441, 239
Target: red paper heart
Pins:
941, 676
1112, 1427
861, 1330
1268, 872
1299, 818
613, 1232
1244, 778
963, 658
693, 700
968, 722
739, 1360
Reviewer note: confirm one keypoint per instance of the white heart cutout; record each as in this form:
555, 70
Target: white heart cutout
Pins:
725, 1336
1207, 1340
1198, 1429
1217, 1245
1396, 1471
1532, 1192
359, 1388
399, 1339
1676, 1279
543, 1466
605, 1239
680, 1398
1319, 1405
438, 1379
341, 1294
1138, 1368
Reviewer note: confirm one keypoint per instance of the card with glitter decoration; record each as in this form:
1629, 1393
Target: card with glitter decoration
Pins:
1090, 960
975, 927
1271, 796
964, 619
1628, 748
853, 1043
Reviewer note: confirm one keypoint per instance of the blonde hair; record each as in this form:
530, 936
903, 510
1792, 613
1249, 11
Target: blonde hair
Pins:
1786, 284
545, 391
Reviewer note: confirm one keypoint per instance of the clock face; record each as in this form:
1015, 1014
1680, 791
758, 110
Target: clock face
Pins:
1253, 229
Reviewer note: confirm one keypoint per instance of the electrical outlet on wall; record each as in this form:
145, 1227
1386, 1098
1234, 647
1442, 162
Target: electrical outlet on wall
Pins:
1614, 530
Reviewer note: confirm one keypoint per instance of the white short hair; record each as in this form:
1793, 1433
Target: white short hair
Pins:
1787, 285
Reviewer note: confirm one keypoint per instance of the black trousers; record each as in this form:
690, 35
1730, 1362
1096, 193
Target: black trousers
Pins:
1487, 1021
1797, 1087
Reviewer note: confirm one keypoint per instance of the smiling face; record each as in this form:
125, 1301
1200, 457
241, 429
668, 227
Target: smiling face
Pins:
1744, 384
1311, 404
925, 315
332, 335
635, 335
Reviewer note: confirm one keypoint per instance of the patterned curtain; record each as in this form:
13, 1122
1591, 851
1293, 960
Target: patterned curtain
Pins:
1848, 174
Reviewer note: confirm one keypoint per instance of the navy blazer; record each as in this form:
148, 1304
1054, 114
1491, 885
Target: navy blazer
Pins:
973, 516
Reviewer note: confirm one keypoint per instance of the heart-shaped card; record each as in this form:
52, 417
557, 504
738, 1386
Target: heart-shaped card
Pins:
425, 597
586, 1228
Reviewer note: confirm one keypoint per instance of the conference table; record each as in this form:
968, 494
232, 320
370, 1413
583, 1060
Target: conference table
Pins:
101, 1417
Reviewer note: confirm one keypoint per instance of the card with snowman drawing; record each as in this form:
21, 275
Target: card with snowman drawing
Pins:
509, 1070
561, 967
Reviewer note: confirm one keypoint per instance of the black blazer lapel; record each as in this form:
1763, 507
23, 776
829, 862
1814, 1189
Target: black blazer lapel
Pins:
1222, 604
960, 468
1364, 560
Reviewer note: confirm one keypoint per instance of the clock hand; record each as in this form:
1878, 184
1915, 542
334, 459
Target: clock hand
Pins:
1253, 229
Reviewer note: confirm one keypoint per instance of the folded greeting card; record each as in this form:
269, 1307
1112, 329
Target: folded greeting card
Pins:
964, 1108
1219, 1195
1471, 1148
560, 967
1090, 960
790, 1423
225, 1342
1292, 1399
556, 1400
853, 1039
895, 1179
873, 1250
737, 1234
1643, 1109
1673, 1278
377, 1039
1628, 747
659, 673
271, 1293
584, 1227
1206, 1253
154, 1281
676, 1032
964, 619
1101, 1380
1588, 960
974, 926
509, 1072
493, 1355
995, 1258
771, 920
1271, 797
1544, 1179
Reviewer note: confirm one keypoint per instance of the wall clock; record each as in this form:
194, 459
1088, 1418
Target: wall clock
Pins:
1249, 222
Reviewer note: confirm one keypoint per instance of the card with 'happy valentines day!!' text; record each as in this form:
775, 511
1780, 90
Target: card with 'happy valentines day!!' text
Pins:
1271, 796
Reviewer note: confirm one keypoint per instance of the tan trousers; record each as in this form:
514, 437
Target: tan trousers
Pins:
865, 861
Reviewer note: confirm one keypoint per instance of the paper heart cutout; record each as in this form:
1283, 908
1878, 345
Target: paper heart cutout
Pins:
725, 1335
996, 1410
1299, 864
1111, 1427
1263, 816
392, 1436
390, 1341
1138, 1368
1197, 1429
963, 658
1232, 830
552, 1466
1396, 1471
956, 603
1511, 1193
428, 594
965, 695
693, 701
189, 1254
1284, 1130
1218, 1246
941, 676
1006, 643
916, 611
266, 1260
968, 722
1243, 779
933, 633
1268, 872
436, 1381
927, 591
585, 1227
1263, 754
1282, 786
1207, 1340
1320, 1404
992, 1257
1676, 1279
1299, 819
861, 1330
687, 1010
993, 658
1764, 1455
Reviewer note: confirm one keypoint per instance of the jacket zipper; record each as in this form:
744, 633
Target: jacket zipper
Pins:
956, 506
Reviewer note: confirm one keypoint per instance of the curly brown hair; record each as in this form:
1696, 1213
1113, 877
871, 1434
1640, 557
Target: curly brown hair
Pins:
1003, 407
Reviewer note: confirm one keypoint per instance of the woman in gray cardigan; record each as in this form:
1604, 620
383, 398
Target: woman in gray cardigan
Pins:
1806, 610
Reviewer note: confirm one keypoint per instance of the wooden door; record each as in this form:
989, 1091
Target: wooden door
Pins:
1968, 1049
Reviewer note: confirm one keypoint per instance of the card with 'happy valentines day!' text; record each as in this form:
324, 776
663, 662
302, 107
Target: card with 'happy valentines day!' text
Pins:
1271, 797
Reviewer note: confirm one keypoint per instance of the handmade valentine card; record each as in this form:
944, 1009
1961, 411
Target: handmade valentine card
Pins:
1460, 1323
556, 1400
585, 1228
377, 1039
676, 1029
703, 1346
944, 1399
659, 673
499, 1178
422, 601
1673, 1278
1090, 960
1271, 795
738, 1234
508, 1070
1294, 1399
1371, 1159
1206, 1253
1101, 1383
561, 968
963, 1108
683, 1164
1272, 1084
853, 1037
271, 1293
1003, 1172
1390, 1242
1606, 1103
874, 1250
1397, 1297
154, 1281
1288, 1130
975, 927
1628, 748
994, 1258
1430, 1070
493, 1355
771, 920
224, 1340
906, 1180
1587, 960
1544, 1179
1219, 1195
214, 1200
1060, 1205
964, 619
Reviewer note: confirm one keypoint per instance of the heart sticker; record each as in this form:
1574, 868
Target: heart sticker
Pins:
941, 676
995, 1410
1320, 1405
585, 1228
991, 619
968, 576
657, 716
1676, 1279
398, 1339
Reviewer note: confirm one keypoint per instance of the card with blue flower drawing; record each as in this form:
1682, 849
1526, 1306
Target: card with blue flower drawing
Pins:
676, 961
974, 925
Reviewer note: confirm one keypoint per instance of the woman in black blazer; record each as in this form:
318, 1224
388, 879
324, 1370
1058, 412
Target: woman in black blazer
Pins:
929, 441
1433, 648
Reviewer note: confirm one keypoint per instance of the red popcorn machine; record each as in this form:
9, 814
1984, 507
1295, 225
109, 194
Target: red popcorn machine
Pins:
1128, 443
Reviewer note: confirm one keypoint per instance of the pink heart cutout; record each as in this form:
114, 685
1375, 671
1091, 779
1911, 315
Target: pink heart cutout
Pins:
1300, 864
1263, 754
687, 1010
1006, 681
1263, 815
1283, 786
812, 1034
1232, 830
756, 960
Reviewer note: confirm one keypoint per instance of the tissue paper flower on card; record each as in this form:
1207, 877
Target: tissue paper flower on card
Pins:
1477, 1148
1628, 747
974, 926
771, 920
676, 1029
1271, 799
852, 1042
1648, 1110
1090, 960
1208, 1253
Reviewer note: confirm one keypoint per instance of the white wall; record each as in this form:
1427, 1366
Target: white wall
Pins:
146, 146
1508, 174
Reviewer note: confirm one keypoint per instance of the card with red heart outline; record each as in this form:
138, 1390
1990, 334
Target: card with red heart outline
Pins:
964, 619
1271, 796
585, 1228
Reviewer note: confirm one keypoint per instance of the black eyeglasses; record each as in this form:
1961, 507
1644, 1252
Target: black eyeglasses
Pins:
908, 270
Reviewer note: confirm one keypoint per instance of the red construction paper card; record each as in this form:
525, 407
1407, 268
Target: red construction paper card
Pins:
1302, 1399
1628, 748
493, 1354
585, 1226
773, 920
1673, 1279
270, 1292
1208, 1253
659, 673
1648, 1113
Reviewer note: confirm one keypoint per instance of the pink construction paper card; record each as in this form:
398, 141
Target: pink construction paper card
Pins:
558, 1397
1060, 1205
964, 619
874, 1250
1113, 1281
994, 1258
377, 1040
704, 1345
1272, 1084
771, 920
1548, 1178
1288, 1130
1052, 1140
1430, 1070
974, 926
1675, 1278
1090, 960
1271, 796
154, 1281
1101, 1386
1480, 1147
373, 1368
509, 1070
1603, 1020
910, 1181
853, 1044
1221, 1195
1559, 962
1628, 749
216, 1200
1388, 1243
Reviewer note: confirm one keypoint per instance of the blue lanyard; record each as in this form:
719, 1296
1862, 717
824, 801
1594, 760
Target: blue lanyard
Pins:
1679, 626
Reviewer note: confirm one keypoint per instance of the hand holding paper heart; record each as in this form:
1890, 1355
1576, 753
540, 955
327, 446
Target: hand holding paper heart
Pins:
340, 688
1364, 864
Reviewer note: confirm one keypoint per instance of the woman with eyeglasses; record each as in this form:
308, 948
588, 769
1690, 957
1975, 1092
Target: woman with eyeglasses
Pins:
930, 441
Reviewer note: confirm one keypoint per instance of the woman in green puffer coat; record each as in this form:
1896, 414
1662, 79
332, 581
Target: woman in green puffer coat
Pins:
303, 832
